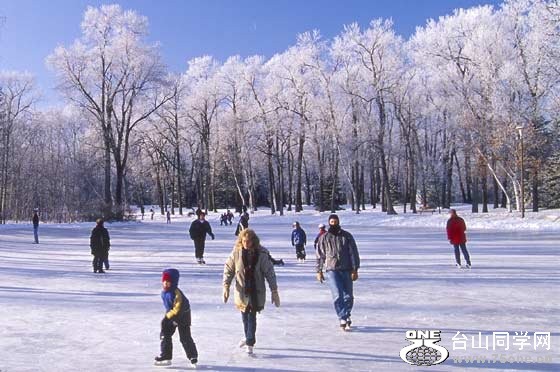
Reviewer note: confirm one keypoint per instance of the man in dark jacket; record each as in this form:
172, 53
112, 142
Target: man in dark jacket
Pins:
243, 223
198, 230
337, 254
36, 227
456, 234
99, 243
299, 239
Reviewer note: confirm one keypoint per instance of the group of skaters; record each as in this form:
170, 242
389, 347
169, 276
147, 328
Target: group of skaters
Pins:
248, 268
249, 265
226, 218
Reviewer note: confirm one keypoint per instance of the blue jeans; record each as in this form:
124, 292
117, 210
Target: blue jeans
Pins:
250, 326
342, 289
36, 234
465, 253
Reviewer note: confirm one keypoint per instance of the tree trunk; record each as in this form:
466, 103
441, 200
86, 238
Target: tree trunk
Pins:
504, 196
474, 199
535, 190
299, 174
334, 184
108, 201
484, 177
468, 178
307, 184
461, 185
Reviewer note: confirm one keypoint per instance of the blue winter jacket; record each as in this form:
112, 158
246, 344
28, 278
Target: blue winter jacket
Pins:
176, 304
299, 237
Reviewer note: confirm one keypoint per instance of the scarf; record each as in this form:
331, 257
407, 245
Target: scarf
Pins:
250, 258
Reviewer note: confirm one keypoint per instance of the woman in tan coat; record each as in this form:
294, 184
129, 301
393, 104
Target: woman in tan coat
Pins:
250, 265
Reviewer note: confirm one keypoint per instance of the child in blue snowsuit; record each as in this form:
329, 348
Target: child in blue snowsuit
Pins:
177, 315
299, 239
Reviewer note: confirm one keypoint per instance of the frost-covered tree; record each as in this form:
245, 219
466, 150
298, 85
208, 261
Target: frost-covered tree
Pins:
113, 74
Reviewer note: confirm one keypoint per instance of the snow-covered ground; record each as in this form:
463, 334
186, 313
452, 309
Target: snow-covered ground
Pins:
56, 315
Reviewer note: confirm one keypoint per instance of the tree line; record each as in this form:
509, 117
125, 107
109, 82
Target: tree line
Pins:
367, 118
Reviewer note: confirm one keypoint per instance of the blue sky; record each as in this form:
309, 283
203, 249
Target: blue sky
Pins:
188, 28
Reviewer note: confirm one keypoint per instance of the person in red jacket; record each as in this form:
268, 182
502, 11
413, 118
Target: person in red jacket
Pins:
456, 234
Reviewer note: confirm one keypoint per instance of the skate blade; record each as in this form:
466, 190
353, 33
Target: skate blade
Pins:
163, 363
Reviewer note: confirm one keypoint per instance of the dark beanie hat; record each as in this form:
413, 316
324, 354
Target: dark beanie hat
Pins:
333, 217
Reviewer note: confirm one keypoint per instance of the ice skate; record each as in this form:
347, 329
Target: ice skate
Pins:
161, 361
194, 362
249, 350
348, 324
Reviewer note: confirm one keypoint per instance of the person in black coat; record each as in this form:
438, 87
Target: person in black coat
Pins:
36, 227
198, 230
243, 223
100, 244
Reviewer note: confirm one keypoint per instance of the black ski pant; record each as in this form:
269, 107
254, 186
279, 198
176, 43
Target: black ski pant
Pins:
167, 330
199, 247
300, 251
98, 260
458, 254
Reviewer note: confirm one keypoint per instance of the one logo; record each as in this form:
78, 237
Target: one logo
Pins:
424, 351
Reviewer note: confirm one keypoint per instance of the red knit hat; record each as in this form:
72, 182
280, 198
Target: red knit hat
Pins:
166, 277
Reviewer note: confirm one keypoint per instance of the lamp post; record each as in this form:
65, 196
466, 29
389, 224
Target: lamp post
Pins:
520, 130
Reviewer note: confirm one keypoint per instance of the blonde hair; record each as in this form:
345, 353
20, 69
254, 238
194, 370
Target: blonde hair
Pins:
249, 234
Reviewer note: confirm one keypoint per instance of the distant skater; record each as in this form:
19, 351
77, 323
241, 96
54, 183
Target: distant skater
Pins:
100, 244
322, 231
456, 228
299, 240
243, 223
36, 226
198, 231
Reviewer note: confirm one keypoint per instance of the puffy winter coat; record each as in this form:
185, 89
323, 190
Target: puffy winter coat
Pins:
199, 229
299, 237
234, 268
177, 306
337, 252
99, 241
456, 230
